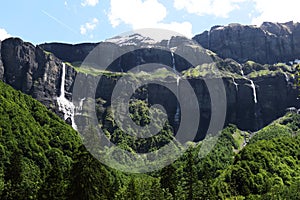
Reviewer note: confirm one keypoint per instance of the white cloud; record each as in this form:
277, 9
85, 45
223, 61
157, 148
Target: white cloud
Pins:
89, 26
276, 11
3, 34
144, 14
218, 8
137, 13
89, 3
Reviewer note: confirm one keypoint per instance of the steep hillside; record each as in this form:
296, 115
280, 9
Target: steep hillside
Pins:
42, 157
267, 168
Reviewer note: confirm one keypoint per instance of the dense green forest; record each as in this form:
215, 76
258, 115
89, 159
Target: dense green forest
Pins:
44, 158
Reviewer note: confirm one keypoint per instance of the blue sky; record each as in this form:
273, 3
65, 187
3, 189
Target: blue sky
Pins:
78, 21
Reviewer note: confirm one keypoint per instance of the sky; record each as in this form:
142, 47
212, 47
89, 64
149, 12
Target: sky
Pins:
78, 21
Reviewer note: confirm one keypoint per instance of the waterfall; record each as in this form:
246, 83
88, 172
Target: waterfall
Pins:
286, 77
173, 61
254, 91
235, 83
252, 85
242, 71
168, 44
63, 79
64, 104
177, 83
79, 107
172, 54
81, 103
177, 113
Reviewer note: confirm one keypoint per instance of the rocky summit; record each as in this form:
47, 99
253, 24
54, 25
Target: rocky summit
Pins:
268, 44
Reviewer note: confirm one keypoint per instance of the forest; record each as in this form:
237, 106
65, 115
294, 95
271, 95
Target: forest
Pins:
42, 157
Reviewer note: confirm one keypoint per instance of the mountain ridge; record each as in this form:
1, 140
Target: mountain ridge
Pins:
268, 44
38, 72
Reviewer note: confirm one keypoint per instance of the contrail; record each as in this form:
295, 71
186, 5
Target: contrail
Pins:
60, 22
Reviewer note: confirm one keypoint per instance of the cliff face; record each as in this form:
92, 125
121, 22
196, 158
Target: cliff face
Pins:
69, 52
31, 70
130, 52
274, 95
39, 73
270, 43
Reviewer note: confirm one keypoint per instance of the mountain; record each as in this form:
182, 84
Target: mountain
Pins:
268, 44
256, 94
42, 157
128, 51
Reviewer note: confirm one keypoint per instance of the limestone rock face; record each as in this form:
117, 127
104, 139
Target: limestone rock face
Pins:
69, 52
268, 44
37, 72
122, 54
31, 70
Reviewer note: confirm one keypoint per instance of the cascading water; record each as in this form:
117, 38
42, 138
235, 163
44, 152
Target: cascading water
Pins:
286, 77
235, 83
79, 107
254, 91
252, 85
64, 104
173, 62
242, 71
168, 44
257, 114
81, 103
177, 114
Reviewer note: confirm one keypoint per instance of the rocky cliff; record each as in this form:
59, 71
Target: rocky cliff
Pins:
30, 69
69, 52
256, 94
270, 43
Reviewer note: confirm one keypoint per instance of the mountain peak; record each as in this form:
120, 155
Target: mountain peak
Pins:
134, 39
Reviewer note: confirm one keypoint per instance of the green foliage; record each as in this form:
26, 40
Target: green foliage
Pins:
41, 157
34, 153
140, 114
297, 67
261, 73
204, 70
266, 167
272, 131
